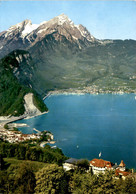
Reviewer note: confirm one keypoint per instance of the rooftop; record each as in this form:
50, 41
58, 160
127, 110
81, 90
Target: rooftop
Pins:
71, 161
123, 173
101, 163
122, 164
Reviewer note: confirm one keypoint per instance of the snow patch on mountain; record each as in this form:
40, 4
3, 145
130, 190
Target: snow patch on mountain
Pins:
84, 32
63, 18
28, 29
24, 27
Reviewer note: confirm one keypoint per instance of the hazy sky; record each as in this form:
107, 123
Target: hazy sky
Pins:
104, 19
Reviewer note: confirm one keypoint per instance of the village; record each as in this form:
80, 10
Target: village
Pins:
13, 135
98, 166
94, 89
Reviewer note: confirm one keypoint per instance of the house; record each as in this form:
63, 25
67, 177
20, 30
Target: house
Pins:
122, 166
121, 174
100, 165
70, 164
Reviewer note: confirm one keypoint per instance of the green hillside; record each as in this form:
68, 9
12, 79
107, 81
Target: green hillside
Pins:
110, 65
11, 91
20, 176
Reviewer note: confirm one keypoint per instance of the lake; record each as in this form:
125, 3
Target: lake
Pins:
85, 125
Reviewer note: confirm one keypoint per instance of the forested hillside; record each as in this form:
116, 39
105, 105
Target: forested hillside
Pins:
12, 92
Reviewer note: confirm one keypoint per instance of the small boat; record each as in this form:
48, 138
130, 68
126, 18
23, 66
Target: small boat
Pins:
135, 97
77, 146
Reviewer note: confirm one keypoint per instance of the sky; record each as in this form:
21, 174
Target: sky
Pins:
103, 19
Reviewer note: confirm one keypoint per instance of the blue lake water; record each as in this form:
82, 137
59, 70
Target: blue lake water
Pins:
87, 124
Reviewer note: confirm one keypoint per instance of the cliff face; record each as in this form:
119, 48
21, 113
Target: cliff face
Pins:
30, 108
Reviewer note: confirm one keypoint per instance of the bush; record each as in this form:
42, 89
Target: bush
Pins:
6, 126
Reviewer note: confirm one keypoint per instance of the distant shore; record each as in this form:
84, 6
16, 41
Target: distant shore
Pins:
86, 90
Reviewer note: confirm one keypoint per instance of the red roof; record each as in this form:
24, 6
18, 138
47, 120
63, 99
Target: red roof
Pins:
20, 138
123, 173
101, 163
122, 164
24, 135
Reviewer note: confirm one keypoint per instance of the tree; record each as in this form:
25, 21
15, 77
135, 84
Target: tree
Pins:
1, 162
81, 182
6, 126
128, 186
51, 179
25, 179
105, 183
83, 164
3, 182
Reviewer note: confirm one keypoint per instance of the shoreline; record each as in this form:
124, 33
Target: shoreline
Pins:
36, 115
71, 91
83, 92
7, 119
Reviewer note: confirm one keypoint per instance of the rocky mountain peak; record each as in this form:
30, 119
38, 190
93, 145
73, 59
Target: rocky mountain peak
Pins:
63, 25
25, 34
59, 20
28, 27
62, 18
23, 28
85, 33
25, 22
20, 25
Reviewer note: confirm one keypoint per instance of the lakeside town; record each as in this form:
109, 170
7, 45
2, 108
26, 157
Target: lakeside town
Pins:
92, 90
97, 166
13, 135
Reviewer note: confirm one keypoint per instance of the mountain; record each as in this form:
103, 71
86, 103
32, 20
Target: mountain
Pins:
25, 34
63, 55
12, 92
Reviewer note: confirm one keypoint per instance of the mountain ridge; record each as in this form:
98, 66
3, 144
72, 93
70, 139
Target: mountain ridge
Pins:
25, 34
64, 55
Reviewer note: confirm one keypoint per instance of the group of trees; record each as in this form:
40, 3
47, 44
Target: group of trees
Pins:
52, 179
17, 179
28, 152
104, 183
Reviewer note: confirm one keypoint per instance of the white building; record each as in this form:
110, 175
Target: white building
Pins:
70, 164
100, 165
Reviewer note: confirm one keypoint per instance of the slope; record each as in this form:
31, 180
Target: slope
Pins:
60, 64
12, 92
64, 55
